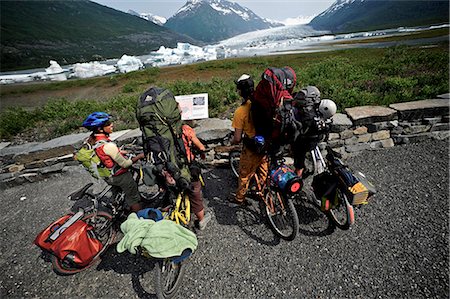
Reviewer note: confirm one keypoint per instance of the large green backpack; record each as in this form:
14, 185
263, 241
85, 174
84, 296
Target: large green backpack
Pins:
160, 121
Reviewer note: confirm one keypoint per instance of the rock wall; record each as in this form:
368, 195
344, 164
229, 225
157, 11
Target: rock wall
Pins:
374, 127
356, 130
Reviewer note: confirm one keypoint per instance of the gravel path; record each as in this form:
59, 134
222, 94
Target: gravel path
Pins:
398, 247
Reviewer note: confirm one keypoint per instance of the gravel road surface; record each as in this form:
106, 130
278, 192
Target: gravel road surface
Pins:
397, 248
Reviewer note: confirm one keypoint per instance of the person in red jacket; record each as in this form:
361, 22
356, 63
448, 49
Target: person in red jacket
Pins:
113, 158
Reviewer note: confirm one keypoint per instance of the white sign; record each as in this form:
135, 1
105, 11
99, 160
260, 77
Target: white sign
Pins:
193, 106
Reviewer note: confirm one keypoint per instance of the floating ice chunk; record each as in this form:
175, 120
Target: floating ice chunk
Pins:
9, 79
129, 63
92, 69
55, 72
54, 68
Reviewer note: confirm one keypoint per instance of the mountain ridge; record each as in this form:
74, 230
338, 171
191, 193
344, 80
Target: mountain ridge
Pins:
363, 15
33, 32
215, 20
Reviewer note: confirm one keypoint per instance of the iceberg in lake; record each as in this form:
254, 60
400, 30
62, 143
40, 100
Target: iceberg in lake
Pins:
92, 69
129, 63
55, 72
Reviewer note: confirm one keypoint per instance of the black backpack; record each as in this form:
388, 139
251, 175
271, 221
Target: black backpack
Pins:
306, 103
160, 121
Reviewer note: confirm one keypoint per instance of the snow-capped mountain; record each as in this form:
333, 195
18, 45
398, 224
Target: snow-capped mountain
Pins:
363, 15
215, 20
158, 20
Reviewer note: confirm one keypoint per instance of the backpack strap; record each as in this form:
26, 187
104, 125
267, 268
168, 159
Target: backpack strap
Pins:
181, 152
98, 144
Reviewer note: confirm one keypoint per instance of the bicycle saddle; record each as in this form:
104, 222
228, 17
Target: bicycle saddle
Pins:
77, 195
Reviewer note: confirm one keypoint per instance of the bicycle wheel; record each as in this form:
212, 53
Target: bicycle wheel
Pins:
105, 233
283, 218
235, 157
342, 214
168, 278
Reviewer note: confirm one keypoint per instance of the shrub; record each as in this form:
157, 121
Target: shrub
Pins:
350, 77
14, 121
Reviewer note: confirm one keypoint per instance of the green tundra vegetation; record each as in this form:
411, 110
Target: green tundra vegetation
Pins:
354, 77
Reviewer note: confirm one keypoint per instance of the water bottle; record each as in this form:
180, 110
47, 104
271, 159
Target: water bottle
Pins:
259, 140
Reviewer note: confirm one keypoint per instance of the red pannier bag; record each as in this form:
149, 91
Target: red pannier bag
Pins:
77, 239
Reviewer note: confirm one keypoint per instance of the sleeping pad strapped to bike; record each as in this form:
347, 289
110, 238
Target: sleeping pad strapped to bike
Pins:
160, 121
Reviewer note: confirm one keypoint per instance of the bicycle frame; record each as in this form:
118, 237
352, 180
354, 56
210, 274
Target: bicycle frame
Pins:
321, 165
318, 161
262, 191
181, 213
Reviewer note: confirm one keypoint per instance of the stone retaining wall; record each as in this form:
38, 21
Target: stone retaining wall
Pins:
356, 130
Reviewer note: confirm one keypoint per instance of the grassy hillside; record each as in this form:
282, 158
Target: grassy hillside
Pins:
350, 77
33, 32
376, 14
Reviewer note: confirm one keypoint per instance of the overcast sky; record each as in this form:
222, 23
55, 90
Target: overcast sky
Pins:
274, 10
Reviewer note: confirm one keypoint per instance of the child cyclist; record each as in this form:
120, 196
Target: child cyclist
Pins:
190, 140
113, 158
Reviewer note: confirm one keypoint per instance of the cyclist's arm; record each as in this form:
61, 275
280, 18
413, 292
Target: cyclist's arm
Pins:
237, 137
113, 151
198, 144
238, 125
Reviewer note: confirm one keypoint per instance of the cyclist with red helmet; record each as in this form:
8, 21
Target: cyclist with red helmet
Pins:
112, 158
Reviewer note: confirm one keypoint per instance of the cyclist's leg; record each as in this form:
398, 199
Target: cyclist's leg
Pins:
196, 201
195, 196
300, 149
247, 167
126, 182
263, 169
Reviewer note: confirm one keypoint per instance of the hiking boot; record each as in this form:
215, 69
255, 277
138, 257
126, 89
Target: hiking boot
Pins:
244, 203
202, 224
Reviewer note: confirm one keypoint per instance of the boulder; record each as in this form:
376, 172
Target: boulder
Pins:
213, 129
369, 114
340, 123
421, 109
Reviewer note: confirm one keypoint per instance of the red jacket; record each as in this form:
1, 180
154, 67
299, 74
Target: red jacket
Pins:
105, 159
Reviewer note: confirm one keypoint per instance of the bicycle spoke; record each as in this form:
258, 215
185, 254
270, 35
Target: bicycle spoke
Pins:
282, 215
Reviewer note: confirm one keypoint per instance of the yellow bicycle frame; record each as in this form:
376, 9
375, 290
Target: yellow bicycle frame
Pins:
182, 211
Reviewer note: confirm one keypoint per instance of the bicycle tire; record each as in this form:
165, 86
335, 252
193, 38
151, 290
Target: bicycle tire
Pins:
168, 278
235, 157
342, 215
283, 219
106, 236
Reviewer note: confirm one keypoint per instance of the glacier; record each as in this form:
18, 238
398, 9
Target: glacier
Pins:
279, 40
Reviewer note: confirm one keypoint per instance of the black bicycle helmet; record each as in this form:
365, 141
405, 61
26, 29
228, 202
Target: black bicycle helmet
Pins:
96, 120
246, 85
